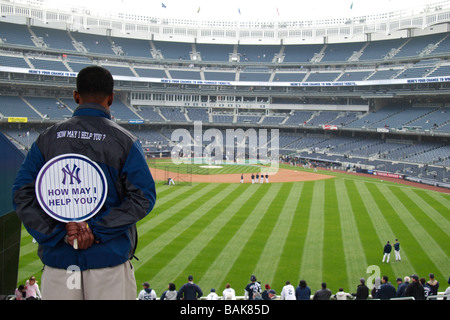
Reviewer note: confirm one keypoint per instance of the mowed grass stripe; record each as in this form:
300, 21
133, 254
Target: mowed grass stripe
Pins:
437, 226
196, 237
427, 244
167, 207
217, 235
246, 263
170, 224
364, 223
434, 200
355, 259
236, 213
442, 198
334, 266
276, 240
291, 256
177, 236
375, 206
312, 257
227, 265
252, 253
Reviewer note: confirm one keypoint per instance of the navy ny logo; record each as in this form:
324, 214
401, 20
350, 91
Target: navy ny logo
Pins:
72, 174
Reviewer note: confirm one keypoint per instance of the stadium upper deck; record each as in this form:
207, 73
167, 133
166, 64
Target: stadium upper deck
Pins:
335, 84
293, 85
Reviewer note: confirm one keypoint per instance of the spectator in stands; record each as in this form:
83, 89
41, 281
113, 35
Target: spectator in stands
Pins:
272, 294
253, 288
342, 295
362, 291
288, 292
265, 294
32, 291
434, 285
402, 286
190, 290
426, 288
447, 291
170, 293
147, 293
322, 294
303, 292
387, 290
376, 286
415, 289
212, 295
228, 293
20, 292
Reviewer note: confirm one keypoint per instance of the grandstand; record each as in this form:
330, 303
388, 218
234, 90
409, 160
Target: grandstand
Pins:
385, 100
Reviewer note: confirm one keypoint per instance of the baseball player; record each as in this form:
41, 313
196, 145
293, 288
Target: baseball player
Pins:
397, 250
387, 252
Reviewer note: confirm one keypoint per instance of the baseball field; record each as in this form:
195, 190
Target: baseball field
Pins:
326, 226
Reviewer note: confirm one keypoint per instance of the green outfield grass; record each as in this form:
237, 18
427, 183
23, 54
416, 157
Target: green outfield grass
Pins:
326, 230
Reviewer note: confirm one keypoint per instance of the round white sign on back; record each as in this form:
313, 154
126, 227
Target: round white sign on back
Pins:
71, 187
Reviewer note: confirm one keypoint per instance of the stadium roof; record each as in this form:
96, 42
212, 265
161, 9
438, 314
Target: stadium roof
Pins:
261, 10
231, 21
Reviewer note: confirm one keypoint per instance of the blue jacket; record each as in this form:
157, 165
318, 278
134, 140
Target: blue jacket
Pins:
189, 291
386, 292
131, 190
303, 293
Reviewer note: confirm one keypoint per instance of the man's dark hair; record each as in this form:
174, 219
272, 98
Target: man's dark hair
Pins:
95, 81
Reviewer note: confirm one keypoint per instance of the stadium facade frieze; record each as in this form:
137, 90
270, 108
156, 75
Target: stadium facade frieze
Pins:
238, 83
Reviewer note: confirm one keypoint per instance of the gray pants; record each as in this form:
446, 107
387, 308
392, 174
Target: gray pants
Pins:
116, 283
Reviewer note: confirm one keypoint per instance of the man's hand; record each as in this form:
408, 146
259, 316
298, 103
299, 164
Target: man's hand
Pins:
80, 232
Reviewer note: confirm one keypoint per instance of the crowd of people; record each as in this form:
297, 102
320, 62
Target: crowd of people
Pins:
410, 287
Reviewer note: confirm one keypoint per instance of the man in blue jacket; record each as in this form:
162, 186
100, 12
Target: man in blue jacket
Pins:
106, 241
387, 290
190, 290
